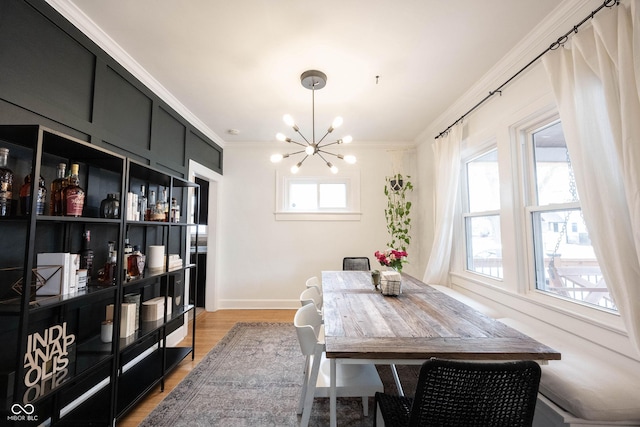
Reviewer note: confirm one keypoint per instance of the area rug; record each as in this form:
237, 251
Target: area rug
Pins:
253, 377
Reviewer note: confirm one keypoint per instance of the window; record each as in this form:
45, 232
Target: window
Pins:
318, 197
482, 216
565, 263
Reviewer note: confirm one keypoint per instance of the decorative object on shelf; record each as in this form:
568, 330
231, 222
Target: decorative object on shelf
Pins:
375, 278
107, 274
156, 259
106, 331
313, 80
390, 283
398, 210
39, 364
6, 183
57, 191
73, 194
25, 196
86, 255
39, 278
110, 207
175, 211
135, 264
391, 258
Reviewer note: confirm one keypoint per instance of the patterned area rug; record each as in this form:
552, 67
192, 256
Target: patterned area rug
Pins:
253, 377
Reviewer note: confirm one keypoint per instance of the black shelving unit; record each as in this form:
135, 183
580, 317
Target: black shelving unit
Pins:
60, 370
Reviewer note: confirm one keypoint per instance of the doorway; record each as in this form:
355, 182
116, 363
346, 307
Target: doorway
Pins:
203, 289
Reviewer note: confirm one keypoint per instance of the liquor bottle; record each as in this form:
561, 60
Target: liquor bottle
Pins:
128, 250
6, 183
164, 205
86, 255
57, 191
157, 210
25, 196
151, 205
175, 211
107, 274
135, 263
142, 203
73, 194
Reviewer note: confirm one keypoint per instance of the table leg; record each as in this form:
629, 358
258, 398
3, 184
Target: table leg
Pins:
332, 394
397, 379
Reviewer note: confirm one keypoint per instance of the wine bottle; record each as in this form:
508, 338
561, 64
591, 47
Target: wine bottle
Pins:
57, 191
25, 196
73, 194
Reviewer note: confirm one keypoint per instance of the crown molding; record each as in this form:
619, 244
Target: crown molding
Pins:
80, 20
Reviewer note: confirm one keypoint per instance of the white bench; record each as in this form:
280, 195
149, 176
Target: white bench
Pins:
590, 387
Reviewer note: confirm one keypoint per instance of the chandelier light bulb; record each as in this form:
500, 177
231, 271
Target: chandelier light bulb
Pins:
337, 122
347, 139
333, 168
288, 120
295, 168
275, 158
310, 150
281, 137
350, 159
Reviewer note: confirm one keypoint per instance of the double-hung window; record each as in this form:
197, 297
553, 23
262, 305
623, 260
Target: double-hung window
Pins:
482, 216
565, 263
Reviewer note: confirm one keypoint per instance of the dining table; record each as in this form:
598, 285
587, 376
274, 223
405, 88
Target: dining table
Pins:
361, 325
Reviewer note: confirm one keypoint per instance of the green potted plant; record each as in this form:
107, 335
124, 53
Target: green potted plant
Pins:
398, 210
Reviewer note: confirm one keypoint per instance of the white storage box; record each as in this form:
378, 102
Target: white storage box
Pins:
127, 318
55, 268
153, 309
390, 283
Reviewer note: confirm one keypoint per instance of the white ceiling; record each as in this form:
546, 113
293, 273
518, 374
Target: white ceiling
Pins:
237, 64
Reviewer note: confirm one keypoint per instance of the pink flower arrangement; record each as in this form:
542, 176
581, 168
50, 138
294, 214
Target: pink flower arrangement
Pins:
391, 258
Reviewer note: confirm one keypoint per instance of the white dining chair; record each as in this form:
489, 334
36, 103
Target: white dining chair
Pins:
360, 380
313, 296
314, 281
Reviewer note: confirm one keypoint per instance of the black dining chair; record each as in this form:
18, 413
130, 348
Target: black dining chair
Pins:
356, 263
465, 394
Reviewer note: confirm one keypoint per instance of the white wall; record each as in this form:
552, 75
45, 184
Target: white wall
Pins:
528, 96
263, 262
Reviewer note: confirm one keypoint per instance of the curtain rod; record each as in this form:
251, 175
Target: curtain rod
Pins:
555, 45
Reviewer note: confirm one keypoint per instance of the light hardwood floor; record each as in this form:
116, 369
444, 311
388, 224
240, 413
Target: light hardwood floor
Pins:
210, 328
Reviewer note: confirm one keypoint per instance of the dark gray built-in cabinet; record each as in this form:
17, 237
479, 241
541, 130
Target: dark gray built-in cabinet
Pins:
81, 105
63, 363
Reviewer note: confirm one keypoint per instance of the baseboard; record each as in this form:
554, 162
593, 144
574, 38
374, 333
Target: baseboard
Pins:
258, 304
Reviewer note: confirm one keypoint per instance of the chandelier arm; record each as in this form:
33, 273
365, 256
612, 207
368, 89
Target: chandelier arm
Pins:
329, 143
318, 153
327, 152
305, 139
295, 152
296, 142
325, 135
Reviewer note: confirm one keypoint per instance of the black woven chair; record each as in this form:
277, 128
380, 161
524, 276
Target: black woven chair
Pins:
465, 394
356, 263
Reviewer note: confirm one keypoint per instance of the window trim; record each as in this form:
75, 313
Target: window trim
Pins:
350, 213
484, 149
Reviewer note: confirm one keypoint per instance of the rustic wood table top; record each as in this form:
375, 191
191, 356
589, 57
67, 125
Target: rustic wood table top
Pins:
420, 323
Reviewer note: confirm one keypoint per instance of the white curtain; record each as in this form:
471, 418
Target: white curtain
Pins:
596, 82
447, 175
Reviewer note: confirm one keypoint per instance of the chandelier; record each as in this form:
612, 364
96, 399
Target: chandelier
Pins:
313, 80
